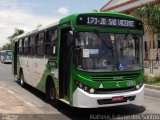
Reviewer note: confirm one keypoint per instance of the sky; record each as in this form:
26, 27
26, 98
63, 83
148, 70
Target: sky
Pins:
28, 14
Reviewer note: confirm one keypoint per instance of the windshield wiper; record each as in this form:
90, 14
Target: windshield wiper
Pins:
99, 36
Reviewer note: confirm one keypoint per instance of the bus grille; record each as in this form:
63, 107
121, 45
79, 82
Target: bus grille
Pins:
115, 90
118, 77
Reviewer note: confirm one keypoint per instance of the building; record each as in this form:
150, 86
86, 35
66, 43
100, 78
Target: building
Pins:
151, 41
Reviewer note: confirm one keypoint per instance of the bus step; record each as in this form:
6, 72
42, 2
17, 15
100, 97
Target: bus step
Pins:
65, 101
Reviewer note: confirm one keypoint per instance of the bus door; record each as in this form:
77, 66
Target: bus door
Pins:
14, 58
64, 64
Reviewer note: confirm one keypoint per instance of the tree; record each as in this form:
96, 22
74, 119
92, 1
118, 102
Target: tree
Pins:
17, 32
39, 25
7, 46
150, 15
95, 10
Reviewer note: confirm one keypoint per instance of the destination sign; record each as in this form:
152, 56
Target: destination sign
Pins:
108, 21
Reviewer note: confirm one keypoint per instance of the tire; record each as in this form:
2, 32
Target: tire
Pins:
51, 94
21, 81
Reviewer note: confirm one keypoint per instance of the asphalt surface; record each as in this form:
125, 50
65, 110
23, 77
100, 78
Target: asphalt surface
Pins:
43, 110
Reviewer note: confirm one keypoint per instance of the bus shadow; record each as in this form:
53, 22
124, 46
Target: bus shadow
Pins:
6, 63
33, 91
94, 113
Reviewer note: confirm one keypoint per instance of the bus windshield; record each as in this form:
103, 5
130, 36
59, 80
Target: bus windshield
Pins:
108, 52
9, 53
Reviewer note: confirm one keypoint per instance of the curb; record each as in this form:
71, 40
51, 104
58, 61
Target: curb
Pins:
152, 87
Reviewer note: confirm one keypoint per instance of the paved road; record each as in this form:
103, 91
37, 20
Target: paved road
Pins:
36, 100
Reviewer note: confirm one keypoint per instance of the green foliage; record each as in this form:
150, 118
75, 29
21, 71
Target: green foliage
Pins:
39, 25
151, 79
7, 47
16, 33
150, 15
95, 10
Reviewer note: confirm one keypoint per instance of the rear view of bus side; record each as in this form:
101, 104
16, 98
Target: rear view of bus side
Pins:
86, 60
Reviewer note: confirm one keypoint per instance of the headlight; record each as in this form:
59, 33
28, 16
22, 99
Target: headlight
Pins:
85, 87
139, 85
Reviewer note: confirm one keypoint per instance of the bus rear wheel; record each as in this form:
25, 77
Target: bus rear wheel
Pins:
22, 82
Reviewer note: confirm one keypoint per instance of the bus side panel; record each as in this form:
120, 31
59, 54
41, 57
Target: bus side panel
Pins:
48, 72
33, 69
36, 70
42, 84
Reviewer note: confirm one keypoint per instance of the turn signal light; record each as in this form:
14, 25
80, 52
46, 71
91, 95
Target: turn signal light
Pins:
84, 87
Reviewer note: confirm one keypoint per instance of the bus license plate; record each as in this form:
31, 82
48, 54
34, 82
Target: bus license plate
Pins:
117, 98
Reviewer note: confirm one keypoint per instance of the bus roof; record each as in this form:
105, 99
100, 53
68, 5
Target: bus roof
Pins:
73, 16
37, 30
6, 51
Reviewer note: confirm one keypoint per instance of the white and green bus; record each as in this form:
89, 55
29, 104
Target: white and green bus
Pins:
86, 60
6, 56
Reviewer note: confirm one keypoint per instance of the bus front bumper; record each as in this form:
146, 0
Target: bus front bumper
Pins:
8, 61
83, 99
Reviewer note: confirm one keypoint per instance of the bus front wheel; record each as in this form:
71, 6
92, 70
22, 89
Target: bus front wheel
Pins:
51, 93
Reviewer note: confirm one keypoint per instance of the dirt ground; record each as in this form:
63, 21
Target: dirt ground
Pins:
10, 103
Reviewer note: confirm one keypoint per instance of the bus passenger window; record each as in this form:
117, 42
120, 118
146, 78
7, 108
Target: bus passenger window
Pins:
53, 35
40, 45
32, 45
41, 38
20, 47
26, 43
51, 42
